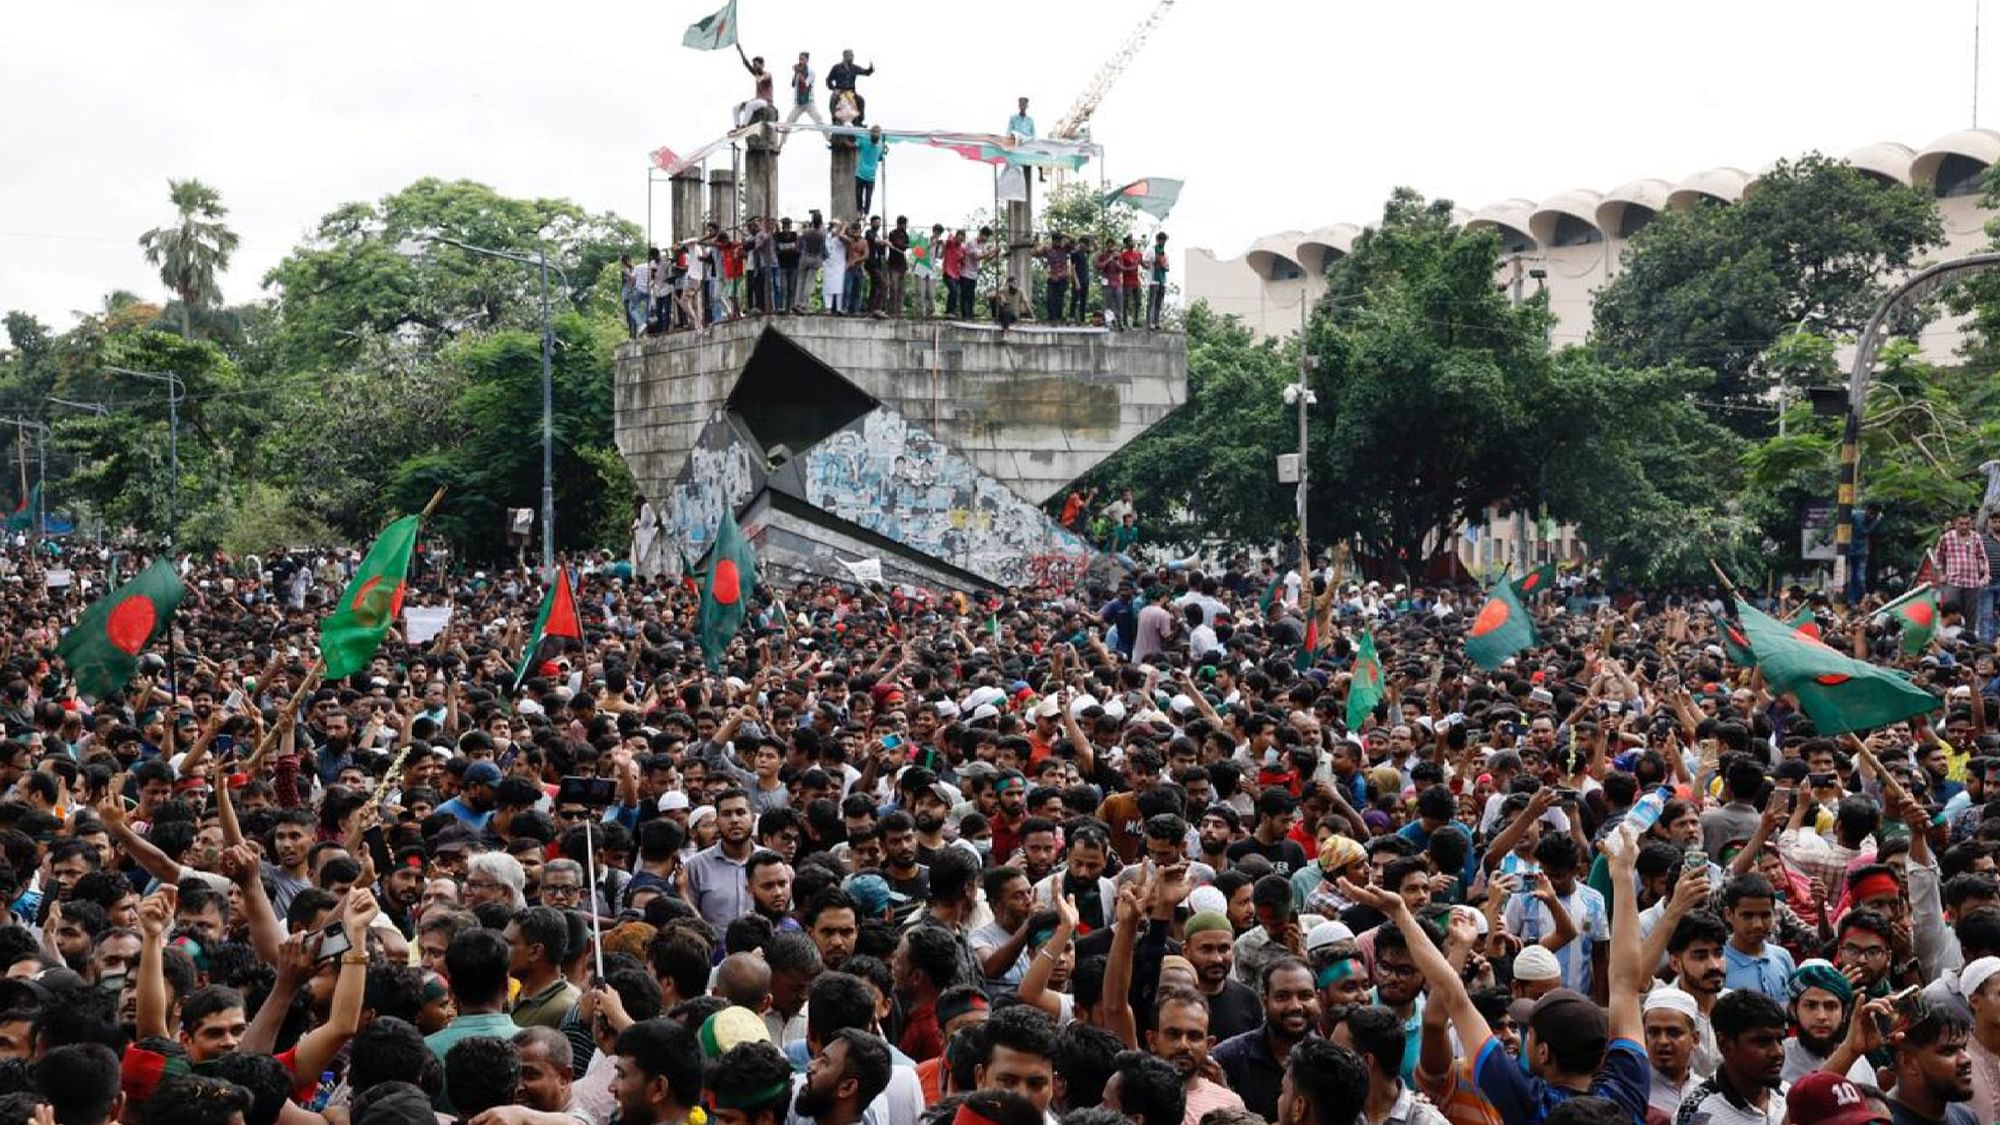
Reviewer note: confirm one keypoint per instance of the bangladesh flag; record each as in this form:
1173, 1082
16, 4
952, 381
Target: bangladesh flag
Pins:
23, 516
1309, 651
1917, 614
350, 634
1501, 629
1839, 693
1154, 195
557, 619
103, 648
1735, 642
1270, 596
712, 32
732, 574
1364, 691
1805, 622
1537, 581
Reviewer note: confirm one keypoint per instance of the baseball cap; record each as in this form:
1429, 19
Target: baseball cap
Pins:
1570, 1023
1826, 1098
482, 773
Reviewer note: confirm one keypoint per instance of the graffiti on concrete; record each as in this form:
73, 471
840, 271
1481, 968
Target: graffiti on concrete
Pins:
897, 480
721, 471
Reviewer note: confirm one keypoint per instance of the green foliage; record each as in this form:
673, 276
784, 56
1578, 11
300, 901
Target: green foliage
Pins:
488, 450
368, 269
1715, 287
192, 252
1205, 473
259, 517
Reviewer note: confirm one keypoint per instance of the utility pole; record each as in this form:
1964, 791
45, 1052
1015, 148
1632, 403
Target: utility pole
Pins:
176, 390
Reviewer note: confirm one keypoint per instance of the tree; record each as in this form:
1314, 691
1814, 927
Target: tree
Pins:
1716, 286
1430, 385
369, 269
191, 253
1205, 474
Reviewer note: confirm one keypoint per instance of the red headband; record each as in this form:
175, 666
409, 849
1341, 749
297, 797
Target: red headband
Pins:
1874, 885
969, 1116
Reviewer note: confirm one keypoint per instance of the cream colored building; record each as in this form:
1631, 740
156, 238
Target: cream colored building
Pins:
1571, 243
1574, 239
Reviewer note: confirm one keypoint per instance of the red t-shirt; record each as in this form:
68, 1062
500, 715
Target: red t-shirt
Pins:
1128, 265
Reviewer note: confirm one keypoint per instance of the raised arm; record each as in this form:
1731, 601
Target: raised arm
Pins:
322, 1043
1034, 988
1446, 989
1115, 1006
1691, 891
267, 931
1628, 975
156, 913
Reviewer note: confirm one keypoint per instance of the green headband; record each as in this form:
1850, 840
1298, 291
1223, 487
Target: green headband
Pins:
1338, 971
753, 1100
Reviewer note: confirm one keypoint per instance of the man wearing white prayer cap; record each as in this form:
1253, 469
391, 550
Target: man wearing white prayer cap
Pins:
1670, 1018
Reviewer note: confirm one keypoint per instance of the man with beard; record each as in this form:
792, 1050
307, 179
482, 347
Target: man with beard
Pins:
909, 879
1932, 1064
656, 1079
478, 794
400, 889
1011, 790
1669, 1017
1038, 848
1209, 944
769, 879
1748, 1088
1694, 952
1001, 946
1082, 881
716, 879
834, 924
849, 1072
1821, 996
931, 807
1254, 1060
1215, 832
1181, 1036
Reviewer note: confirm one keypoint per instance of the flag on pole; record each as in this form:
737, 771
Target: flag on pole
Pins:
1309, 651
1917, 613
712, 32
557, 619
664, 159
732, 575
23, 516
1155, 196
102, 649
1839, 693
371, 603
1537, 581
1501, 629
1364, 691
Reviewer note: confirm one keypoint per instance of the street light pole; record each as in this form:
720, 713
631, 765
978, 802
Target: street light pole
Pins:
176, 390
541, 262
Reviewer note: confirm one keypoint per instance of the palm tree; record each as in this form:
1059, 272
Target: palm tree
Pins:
191, 253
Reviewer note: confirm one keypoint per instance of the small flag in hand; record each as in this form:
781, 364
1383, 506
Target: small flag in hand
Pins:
714, 32
557, 619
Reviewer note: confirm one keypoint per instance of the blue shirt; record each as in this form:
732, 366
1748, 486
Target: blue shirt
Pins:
1523, 1099
458, 808
870, 156
1769, 973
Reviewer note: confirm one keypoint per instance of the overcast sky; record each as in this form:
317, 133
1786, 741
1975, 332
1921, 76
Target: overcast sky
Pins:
1278, 113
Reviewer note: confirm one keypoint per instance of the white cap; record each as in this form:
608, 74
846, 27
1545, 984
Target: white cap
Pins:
984, 712
1326, 933
1975, 974
1207, 898
1666, 998
1536, 963
673, 799
1081, 704
1048, 708
1114, 709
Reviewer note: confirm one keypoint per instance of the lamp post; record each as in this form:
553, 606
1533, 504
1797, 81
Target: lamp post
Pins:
1300, 395
1914, 289
540, 260
176, 390
41, 465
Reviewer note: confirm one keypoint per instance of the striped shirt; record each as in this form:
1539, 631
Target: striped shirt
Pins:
1454, 1094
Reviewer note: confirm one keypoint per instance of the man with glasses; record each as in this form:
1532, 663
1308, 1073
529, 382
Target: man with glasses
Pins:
562, 884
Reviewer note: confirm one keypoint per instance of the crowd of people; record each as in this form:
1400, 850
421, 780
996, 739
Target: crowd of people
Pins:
1104, 856
854, 268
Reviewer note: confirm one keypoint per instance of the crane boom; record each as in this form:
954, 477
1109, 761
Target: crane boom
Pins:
1073, 123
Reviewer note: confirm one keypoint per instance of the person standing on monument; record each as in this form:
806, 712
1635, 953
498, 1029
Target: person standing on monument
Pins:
954, 266
925, 270
1130, 263
1156, 293
1081, 254
1021, 125
899, 266
812, 255
841, 81
1110, 269
835, 294
802, 91
785, 280
876, 265
1055, 256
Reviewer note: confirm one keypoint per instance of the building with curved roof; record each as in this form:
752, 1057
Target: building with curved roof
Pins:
1571, 242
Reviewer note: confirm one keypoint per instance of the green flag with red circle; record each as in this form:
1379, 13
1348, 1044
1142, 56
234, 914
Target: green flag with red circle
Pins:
102, 649
1501, 629
725, 589
1540, 580
1917, 614
1364, 688
1838, 692
350, 634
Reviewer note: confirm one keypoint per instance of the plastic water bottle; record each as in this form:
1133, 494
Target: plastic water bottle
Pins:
1646, 813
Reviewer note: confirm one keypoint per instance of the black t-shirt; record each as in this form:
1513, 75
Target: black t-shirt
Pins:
788, 249
1286, 856
1234, 1010
899, 241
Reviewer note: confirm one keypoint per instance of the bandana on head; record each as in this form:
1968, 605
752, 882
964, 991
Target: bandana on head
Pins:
1874, 885
1820, 974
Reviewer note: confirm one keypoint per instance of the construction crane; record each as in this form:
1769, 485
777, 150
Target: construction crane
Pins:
1075, 125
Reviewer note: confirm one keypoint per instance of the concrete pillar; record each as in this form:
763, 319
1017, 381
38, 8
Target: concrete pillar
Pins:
760, 174
1020, 216
841, 179
722, 201
686, 191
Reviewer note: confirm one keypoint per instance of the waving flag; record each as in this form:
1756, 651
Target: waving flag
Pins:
373, 600
102, 650
1155, 196
1839, 693
1364, 691
714, 32
557, 619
